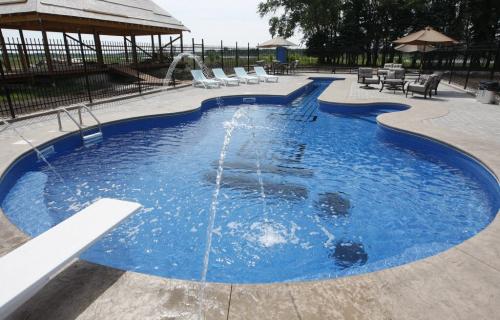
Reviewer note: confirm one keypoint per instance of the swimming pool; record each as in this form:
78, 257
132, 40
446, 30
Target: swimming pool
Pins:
305, 194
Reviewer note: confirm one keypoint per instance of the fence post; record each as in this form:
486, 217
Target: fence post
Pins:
495, 63
7, 92
222, 54
452, 67
194, 53
82, 52
258, 53
182, 43
5, 53
138, 80
468, 72
236, 55
203, 50
248, 56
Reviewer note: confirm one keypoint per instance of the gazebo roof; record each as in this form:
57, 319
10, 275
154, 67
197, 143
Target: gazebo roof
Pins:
109, 17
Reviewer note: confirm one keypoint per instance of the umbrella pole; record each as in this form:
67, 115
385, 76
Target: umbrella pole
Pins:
421, 63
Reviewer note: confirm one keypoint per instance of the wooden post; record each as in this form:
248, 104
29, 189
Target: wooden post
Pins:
22, 57
248, 56
160, 48
153, 47
182, 43
98, 48
25, 50
134, 50
125, 46
171, 48
82, 52
46, 49
5, 53
66, 48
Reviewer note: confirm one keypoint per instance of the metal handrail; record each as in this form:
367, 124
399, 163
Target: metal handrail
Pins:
82, 106
71, 117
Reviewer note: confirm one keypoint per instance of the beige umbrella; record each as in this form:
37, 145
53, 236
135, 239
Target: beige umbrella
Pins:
277, 42
426, 38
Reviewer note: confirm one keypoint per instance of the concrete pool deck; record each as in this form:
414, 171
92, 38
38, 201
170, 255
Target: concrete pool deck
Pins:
460, 283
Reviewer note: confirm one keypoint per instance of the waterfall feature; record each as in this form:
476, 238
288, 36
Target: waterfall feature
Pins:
178, 58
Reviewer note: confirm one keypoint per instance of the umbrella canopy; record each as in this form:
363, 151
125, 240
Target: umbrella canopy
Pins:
426, 37
277, 42
408, 48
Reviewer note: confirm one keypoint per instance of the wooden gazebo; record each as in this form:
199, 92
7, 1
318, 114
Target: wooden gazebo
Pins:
97, 17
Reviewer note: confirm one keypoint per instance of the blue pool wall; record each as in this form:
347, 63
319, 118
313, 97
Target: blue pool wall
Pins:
29, 160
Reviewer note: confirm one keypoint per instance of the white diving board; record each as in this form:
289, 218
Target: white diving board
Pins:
25, 270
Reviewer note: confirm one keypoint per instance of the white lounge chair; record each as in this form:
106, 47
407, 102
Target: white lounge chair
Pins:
221, 76
199, 78
263, 76
243, 76
25, 270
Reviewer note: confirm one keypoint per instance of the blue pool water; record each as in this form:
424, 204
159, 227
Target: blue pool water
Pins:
305, 194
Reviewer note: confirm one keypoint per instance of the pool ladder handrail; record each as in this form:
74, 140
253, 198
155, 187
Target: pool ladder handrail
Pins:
79, 124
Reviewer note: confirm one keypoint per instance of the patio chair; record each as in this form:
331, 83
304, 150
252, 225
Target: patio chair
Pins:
243, 76
263, 76
294, 66
394, 80
220, 75
199, 78
365, 76
437, 80
422, 86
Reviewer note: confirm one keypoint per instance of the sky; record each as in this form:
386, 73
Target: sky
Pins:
212, 20
216, 20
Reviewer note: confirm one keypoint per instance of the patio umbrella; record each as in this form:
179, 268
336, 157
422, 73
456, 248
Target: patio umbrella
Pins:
277, 42
280, 44
426, 38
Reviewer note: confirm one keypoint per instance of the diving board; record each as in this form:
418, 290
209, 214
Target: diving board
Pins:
25, 270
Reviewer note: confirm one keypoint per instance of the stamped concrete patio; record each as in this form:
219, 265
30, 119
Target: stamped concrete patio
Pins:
461, 283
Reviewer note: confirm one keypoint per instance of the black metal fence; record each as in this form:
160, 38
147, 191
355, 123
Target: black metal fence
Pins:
41, 74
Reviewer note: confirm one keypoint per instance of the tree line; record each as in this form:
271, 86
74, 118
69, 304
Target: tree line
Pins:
368, 27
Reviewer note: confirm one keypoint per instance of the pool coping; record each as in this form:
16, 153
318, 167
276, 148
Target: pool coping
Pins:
380, 285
